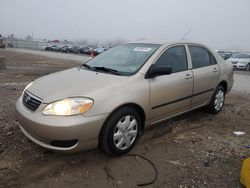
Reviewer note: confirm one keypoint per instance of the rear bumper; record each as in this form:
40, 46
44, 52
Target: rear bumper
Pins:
45, 130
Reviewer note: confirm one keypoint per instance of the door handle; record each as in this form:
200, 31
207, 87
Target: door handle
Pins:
215, 70
188, 77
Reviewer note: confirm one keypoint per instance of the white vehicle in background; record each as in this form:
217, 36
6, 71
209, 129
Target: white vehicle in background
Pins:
241, 61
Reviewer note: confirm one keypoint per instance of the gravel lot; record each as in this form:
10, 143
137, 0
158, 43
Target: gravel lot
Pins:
194, 150
242, 82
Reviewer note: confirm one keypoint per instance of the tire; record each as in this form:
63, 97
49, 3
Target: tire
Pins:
248, 67
217, 101
120, 132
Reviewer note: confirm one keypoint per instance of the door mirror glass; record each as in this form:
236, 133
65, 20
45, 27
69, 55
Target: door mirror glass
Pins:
155, 71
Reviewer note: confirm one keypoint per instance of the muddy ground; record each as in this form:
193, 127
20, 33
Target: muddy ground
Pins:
200, 151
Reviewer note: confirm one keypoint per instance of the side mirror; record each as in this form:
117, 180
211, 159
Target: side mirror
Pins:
155, 71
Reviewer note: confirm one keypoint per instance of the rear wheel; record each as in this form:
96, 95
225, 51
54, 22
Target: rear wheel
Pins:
120, 132
217, 101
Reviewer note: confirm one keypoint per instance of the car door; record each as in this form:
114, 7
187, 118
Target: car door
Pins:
206, 74
171, 93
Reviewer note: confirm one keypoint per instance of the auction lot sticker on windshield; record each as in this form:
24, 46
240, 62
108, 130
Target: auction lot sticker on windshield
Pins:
142, 49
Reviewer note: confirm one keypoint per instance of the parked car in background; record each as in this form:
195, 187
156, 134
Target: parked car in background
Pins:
58, 48
109, 100
74, 49
241, 61
65, 49
88, 50
54, 48
99, 50
2, 44
50, 47
224, 54
82, 49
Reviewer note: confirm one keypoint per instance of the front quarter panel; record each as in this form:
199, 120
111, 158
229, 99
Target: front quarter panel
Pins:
134, 90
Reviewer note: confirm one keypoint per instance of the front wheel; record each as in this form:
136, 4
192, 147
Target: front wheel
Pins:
217, 100
120, 132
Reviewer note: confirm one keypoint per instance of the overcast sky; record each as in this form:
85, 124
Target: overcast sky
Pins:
218, 23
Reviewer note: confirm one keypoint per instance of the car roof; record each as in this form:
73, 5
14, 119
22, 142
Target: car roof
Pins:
164, 42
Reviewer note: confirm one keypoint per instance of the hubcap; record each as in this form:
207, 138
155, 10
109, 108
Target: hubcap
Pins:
219, 100
125, 132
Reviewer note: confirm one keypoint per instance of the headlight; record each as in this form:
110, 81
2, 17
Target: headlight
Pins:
243, 63
68, 107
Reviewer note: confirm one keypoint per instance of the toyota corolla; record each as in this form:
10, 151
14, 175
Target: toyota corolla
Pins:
109, 100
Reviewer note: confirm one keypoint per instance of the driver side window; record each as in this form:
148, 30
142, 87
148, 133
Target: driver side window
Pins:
174, 57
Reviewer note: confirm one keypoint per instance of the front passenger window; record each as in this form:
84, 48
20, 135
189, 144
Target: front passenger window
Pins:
174, 57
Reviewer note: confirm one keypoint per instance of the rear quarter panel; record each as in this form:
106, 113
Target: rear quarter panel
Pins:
226, 71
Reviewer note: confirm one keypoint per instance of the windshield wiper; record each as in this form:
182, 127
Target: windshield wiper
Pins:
87, 66
105, 69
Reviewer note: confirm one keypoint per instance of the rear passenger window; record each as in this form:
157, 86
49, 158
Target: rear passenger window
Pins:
174, 57
200, 57
212, 60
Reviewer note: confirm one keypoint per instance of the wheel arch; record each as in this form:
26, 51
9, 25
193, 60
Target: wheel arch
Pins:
248, 64
224, 85
135, 106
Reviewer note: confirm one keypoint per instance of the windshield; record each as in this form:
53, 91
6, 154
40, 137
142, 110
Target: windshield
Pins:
126, 58
241, 56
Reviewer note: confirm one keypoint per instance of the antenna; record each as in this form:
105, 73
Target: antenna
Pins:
184, 36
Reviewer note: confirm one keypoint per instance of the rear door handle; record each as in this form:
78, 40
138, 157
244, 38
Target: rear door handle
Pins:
188, 77
215, 70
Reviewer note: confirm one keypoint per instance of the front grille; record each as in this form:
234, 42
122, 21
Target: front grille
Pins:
30, 101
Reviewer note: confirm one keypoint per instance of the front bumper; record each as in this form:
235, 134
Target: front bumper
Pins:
47, 130
240, 66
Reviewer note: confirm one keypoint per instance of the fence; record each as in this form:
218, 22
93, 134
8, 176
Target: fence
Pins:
29, 44
40, 45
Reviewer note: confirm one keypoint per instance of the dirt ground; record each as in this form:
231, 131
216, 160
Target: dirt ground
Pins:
193, 150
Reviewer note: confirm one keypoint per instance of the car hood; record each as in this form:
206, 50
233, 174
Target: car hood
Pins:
73, 82
238, 60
